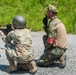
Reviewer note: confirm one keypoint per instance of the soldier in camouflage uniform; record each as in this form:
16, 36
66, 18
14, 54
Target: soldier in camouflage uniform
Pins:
56, 39
18, 46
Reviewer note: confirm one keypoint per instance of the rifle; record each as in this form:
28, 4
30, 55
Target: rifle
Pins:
7, 29
45, 21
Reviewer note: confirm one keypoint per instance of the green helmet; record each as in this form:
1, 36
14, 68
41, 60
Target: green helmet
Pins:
19, 22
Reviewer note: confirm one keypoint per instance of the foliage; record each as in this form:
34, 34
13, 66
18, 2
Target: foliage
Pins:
34, 11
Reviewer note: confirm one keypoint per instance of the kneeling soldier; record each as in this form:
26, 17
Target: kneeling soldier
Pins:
56, 39
18, 46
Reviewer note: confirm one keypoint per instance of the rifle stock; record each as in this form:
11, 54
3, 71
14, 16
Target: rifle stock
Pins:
7, 29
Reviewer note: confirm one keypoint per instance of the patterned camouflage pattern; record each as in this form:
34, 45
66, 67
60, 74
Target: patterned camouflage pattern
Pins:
2, 35
50, 56
18, 46
51, 53
52, 31
52, 8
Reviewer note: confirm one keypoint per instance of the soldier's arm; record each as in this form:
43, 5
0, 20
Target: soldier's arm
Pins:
50, 40
2, 35
8, 38
51, 35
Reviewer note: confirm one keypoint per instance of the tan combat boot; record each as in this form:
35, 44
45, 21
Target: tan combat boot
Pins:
12, 66
62, 61
32, 67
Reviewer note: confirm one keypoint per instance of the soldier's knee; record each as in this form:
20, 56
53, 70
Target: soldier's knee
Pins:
40, 63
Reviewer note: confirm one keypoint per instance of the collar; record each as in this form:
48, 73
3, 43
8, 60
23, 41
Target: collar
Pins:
53, 18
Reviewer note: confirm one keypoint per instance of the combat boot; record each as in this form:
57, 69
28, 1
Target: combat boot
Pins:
12, 66
62, 61
32, 67
21, 66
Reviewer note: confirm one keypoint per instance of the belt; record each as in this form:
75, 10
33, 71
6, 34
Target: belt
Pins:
61, 48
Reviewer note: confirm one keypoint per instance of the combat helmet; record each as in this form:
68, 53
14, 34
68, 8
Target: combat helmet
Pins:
19, 22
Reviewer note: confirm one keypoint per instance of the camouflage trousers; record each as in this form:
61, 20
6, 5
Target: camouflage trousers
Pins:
13, 54
50, 54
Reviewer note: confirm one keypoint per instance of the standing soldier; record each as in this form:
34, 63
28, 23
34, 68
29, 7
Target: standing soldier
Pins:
56, 39
18, 46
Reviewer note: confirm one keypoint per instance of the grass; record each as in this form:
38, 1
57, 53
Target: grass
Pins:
34, 11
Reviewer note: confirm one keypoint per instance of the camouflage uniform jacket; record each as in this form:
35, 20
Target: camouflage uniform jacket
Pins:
18, 45
57, 31
2, 35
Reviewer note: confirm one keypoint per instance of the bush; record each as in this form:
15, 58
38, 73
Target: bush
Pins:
34, 11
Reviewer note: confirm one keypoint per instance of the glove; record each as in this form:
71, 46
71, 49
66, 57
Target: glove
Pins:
8, 28
50, 41
45, 21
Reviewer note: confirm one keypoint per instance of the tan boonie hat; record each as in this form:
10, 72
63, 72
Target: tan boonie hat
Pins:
52, 8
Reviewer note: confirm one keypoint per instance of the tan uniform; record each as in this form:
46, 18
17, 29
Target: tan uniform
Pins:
61, 38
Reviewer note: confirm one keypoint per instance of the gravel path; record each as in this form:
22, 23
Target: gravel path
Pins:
38, 47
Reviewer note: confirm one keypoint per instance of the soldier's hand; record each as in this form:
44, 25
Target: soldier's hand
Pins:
45, 21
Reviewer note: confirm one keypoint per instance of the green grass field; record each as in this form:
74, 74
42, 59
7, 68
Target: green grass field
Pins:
34, 11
